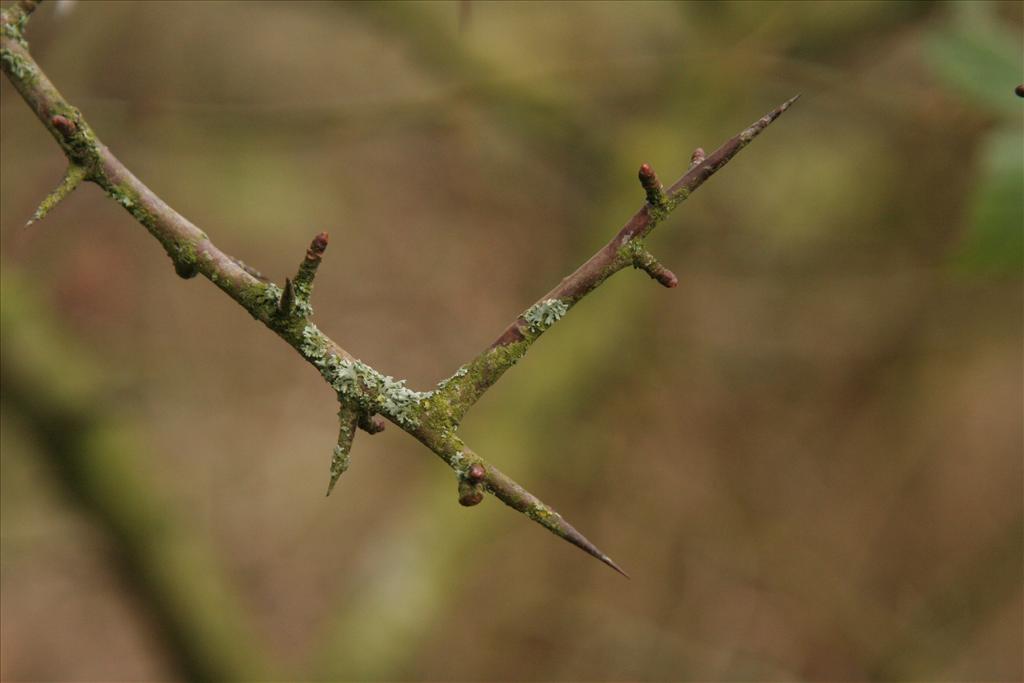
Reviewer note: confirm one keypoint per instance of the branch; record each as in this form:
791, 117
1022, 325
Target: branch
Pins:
94, 459
469, 383
432, 417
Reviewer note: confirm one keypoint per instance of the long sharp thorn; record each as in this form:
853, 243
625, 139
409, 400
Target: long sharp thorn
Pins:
518, 498
696, 175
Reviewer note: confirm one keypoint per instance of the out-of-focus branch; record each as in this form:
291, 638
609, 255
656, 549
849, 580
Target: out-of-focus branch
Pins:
49, 389
433, 416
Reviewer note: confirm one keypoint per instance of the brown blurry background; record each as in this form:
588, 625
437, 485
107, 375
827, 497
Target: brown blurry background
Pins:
808, 455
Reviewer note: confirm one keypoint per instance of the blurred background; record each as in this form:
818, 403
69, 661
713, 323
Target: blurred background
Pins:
808, 455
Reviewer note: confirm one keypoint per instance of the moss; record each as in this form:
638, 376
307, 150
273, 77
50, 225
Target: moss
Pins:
542, 514
260, 299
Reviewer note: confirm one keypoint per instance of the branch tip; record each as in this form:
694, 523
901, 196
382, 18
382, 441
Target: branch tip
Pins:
652, 186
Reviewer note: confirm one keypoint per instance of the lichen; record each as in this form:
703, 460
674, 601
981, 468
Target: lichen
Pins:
19, 68
356, 381
544, 314
15, 31
461, 372
541, 513
270, 295
259, 298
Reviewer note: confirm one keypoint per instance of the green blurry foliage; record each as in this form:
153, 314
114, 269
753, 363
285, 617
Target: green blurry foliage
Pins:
975, 54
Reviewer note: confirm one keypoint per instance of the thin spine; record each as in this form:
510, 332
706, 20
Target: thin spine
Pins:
287, 303
516, 497
73, 177
348, 416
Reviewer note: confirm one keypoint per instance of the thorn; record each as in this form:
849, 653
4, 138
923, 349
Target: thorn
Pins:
652, 186
73, 176
565, 530
347, 418
287, 302
698, 175
755, 129
518, 498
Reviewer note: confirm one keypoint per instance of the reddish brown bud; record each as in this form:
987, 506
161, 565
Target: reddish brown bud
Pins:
317, 247
471, 498
697, 157
476, 472
646, 172
1019, 90
667, 278
371, 424
64, 125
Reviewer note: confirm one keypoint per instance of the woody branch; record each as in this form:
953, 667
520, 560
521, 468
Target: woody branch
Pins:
363, 393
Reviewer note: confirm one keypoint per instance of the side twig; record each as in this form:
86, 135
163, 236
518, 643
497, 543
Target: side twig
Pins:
432, 417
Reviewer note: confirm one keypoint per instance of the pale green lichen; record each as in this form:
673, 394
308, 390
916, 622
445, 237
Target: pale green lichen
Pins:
541, 513
18, 66
355, 380
544, 314
15, 31
270, 296
459, 464
340, 461
461, 372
